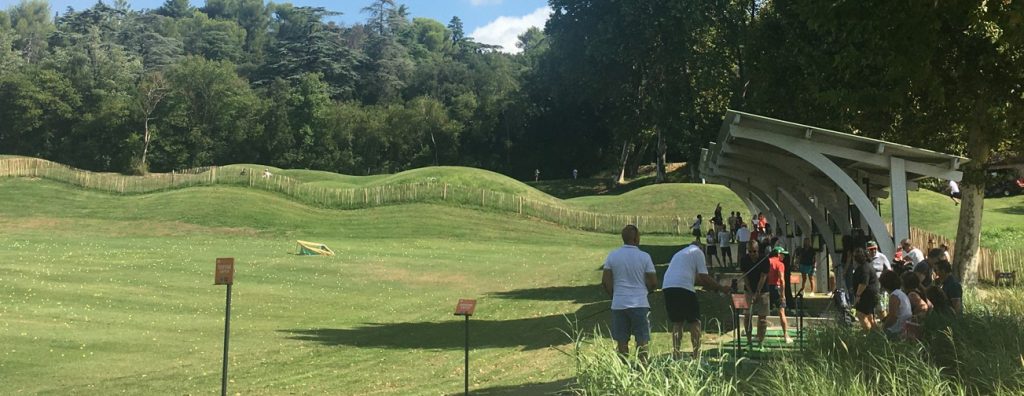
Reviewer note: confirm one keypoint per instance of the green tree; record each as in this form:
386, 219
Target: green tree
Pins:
175, 9
380, 16
213, 39
304, 44
211, 116
32, 26
152, 89
926, 74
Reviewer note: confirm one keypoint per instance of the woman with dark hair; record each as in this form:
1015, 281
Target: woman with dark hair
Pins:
919, 304
865, 286
899, 311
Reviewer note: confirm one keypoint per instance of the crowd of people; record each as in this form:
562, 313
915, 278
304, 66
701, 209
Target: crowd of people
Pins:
894, 296
629, 276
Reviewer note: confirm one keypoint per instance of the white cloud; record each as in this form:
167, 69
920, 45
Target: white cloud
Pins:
505, 30
485, 2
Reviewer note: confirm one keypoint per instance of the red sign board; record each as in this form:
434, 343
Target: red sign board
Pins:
225, 274
739, 301
465, 307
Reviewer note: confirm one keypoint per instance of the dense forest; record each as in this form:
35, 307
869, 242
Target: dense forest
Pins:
605, 85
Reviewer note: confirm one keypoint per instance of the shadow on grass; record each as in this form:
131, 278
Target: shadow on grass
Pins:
524, 333
1012, 210
584, 294
557, 387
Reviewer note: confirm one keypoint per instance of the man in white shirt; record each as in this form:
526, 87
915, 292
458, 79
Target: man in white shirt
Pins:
742, 238
954, 192
684, 271
878, 260
725, 246
911, 254
628, 277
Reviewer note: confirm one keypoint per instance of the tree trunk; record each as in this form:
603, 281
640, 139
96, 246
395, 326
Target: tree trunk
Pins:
662, 149
972, 190
621, 179
145, 143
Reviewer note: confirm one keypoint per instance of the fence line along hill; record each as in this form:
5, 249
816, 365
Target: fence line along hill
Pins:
421, 187
426, 185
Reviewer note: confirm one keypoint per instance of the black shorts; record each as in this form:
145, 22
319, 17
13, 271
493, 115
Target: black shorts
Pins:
868, 302
712, 250
955, 195
681, 305
775, 297
726, 251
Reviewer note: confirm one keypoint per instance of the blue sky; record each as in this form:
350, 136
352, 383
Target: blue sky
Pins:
489, 21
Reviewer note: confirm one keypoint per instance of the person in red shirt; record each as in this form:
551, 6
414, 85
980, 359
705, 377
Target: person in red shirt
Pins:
777, 287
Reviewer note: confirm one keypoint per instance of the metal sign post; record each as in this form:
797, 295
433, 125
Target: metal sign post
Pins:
224, 275
465, 308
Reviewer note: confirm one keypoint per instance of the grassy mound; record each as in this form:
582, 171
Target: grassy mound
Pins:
454, 175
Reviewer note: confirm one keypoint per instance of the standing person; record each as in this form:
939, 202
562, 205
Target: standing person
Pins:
866, 289
777, 288
685, 270
697, 226
536, 174
807, 258
731, 223
954, 192
575, 173
953, 290
628, 277
742, 238
725, 245
718, 214
755, 270
878, 260
712, 248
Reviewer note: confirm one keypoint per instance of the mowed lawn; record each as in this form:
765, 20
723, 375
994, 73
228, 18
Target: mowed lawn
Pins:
102, 294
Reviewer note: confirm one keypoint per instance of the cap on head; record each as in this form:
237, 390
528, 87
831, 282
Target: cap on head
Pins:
872, 245
779, 250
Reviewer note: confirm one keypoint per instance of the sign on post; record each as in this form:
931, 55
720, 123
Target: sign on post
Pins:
225, 273
465, 308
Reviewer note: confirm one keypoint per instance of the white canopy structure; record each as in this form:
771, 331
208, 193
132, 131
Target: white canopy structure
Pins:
803, 175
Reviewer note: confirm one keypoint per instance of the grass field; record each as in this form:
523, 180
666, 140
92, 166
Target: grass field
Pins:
106, 294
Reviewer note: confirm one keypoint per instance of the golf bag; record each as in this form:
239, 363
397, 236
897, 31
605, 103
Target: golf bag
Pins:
841, 303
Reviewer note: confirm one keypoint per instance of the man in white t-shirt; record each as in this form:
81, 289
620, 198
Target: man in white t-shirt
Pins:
684, 271
954, 192
878, 260
742, 237
725, 246
628, 277
911, 254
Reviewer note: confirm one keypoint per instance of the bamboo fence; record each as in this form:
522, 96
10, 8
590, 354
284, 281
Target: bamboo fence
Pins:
428, 191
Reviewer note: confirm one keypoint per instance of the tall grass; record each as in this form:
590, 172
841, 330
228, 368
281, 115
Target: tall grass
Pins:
981, 353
